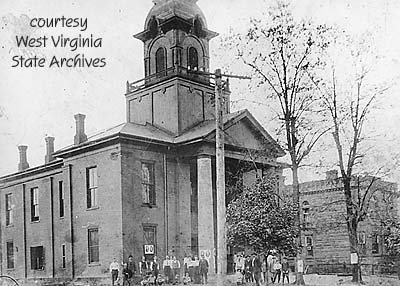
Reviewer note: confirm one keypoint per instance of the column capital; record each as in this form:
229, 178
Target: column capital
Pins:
204, 156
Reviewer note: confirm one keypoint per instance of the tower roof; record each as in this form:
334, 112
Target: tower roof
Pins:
185, 9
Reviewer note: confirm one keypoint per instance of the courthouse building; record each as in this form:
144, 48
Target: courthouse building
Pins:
144, 187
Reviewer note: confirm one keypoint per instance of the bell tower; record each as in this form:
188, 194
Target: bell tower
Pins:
176, 92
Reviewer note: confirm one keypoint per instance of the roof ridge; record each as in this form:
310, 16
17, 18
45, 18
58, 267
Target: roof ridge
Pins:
105, 130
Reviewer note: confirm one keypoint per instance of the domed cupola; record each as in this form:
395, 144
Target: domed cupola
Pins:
176, 93
184, 9
176, 41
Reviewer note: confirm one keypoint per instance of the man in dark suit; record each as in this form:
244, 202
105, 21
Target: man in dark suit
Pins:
203, 267
256, 266
248, 269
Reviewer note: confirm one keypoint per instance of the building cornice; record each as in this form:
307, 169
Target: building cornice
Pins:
52, 166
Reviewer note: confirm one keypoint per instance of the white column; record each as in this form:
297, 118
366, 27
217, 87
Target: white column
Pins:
205, 209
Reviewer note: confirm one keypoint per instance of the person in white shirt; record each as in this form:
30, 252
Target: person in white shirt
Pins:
186, 261
144, 267
114, 269
167, 270
278, 270
239, 263
176, 266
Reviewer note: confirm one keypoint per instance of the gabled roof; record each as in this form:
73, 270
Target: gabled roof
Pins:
204, 131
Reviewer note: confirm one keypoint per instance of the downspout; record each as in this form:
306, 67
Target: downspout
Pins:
165, 203
52, 225
72, 223
24, 230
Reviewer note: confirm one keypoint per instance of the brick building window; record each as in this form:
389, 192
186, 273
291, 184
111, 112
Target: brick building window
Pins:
91, 184
361, 242
375, 243
93, 245
161, 60
63, 256
193, 59
148, 188
150, 238
61, 197
309, 246
9, 209
10, 254
34, 204
306, 212
37, 258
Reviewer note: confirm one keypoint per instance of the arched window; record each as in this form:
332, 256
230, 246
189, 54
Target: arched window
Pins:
198, 27
306, 212
193, 59
161, 60
153, 27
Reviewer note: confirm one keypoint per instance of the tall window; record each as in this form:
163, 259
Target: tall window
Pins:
63, 256
9, 209
361, 242
93, 245
306, 212
148, 188
375, 243
10, 254
34, 204
91, 181
37, 258
61, 197
309, 245
161, 60
193, 59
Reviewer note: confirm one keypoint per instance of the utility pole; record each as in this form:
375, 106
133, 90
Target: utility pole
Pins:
220, 169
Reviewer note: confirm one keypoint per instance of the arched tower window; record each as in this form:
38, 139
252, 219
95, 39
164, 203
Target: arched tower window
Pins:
198, 27
161, 60
193, 59
153, 27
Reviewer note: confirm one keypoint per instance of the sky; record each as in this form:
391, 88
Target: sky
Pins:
39, 102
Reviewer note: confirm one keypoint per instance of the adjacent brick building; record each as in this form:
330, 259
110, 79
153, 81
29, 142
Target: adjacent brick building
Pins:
324, 229
144, 187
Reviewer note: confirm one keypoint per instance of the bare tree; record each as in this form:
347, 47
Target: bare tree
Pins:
349, 99
280, 53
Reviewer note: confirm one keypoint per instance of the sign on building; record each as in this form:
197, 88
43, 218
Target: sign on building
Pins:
300, 266
353, 258
148, 249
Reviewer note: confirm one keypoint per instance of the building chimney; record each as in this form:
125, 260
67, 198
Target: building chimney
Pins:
23, 162
80, 135
49, 149
331, 175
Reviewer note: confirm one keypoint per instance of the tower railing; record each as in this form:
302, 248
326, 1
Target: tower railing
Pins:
184, 72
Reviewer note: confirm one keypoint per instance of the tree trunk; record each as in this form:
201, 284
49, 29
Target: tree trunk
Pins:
296, 200
352, 224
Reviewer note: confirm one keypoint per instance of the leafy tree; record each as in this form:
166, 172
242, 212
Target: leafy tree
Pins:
392, 238
259, 219
281, 52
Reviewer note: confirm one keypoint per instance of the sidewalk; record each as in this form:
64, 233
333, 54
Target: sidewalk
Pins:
319, 280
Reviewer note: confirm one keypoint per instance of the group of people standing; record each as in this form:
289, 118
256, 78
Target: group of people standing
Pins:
258, 268
123, 274
195, 270
169, 272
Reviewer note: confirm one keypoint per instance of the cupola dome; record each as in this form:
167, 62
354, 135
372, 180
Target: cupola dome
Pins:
167, 9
